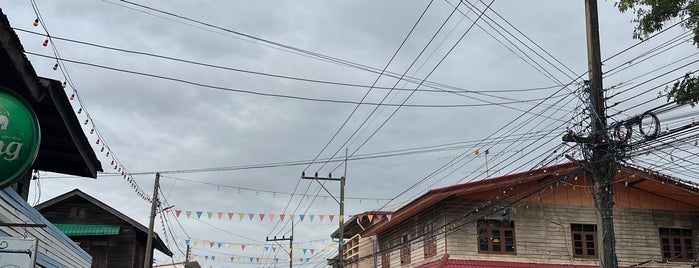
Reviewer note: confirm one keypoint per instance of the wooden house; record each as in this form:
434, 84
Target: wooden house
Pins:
542, 218
109, 236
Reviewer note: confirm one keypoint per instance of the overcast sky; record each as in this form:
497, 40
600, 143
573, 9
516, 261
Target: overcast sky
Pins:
508, 84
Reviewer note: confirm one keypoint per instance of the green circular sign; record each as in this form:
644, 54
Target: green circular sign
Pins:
19, 136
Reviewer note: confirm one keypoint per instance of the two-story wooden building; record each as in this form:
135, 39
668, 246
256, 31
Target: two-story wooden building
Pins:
542, 218
110, 237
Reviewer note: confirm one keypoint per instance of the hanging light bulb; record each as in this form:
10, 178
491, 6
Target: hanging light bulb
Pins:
107, 155
92, 131
36, 22
80, 110
72, 96
98, 141
102, 150
65, 84
55, 66
46, 43
86, 120
111, 164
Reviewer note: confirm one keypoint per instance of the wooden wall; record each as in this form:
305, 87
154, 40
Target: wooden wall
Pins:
542, 232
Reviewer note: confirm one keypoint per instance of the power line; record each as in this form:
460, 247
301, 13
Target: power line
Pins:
214, 66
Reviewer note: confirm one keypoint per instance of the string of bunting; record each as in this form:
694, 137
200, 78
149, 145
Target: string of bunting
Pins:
245, 259
257, 247
88, 122
270, 216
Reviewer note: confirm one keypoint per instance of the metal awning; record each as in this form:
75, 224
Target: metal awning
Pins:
87, 229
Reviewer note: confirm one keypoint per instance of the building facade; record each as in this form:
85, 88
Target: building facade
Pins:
543, 218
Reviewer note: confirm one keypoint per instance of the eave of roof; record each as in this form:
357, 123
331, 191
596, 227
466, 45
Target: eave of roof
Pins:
64, 147
496, 264
645, 180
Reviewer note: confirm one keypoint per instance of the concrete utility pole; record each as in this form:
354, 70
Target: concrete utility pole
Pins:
602, 172
342, 208
148, 262
600, 165
291, 244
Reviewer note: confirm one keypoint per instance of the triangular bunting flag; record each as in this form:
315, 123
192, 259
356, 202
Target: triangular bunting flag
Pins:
250, 215
379, 217
266, 248
237, 259
189, 213
213, 258
219, 244
251, 259
209, 213
302, 216
370, 217
271, 217
195, 242
321, 217
331, 217
311, 217
304, 251
199, 214
281, 217
312, 250
177, 213
360, 217
242, 247
211, 244
308, 259
232, 259
262, 216
186, 242
241, 215
219, 215
274, 249
389, 217
230, 216
258, 259
206, 257
235, 246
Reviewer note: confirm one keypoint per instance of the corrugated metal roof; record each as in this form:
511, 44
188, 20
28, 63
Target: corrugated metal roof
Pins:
87, 229
498, 264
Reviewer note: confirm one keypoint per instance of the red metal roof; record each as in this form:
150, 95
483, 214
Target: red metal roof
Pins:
498, 264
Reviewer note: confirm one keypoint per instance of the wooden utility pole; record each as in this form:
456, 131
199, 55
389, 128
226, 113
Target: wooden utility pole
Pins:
600, 169
148, 262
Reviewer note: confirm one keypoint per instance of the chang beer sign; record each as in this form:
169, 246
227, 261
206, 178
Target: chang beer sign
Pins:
19, 136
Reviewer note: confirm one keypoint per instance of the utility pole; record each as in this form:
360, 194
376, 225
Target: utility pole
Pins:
600, 166
186, 256
342, 207
148, 262
291, 244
